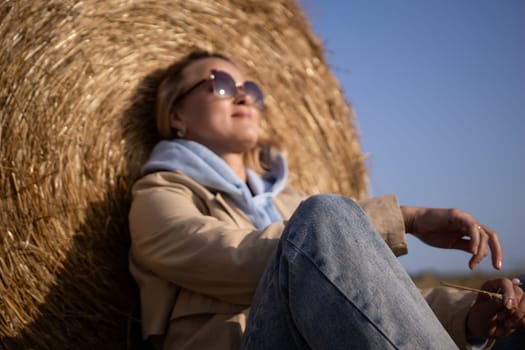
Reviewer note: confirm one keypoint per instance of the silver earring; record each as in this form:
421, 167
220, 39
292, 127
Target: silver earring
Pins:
181, 132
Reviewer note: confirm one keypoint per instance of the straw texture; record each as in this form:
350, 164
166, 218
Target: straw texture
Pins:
77, 83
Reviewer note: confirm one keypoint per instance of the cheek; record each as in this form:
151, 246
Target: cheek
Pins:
195, 110
258, 117
204, 117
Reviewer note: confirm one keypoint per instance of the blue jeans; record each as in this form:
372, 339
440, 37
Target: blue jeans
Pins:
335, 284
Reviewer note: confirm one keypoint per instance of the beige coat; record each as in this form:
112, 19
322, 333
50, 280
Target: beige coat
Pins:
197, 260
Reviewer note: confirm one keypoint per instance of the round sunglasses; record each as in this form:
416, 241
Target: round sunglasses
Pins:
224, 86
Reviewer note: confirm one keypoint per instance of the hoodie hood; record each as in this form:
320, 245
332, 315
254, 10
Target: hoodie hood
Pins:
211, 171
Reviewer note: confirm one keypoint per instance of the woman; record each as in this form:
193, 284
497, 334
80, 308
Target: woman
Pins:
227, 255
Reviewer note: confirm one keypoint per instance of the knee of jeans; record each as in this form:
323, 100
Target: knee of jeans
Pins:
324, 215
329, 203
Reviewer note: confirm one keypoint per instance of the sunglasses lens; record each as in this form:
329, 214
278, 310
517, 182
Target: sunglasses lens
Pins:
255, 93
224, 85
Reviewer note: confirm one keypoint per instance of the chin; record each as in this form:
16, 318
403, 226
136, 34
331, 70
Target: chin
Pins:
246, 145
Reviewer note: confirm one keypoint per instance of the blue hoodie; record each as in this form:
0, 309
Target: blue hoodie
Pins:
211, 171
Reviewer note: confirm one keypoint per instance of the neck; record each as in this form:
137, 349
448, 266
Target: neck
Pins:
236, 162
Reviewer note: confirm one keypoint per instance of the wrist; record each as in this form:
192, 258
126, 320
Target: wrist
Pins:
409, 216
468, 332
471, 328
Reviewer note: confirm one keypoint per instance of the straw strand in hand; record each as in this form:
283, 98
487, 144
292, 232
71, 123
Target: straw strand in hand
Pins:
490, 294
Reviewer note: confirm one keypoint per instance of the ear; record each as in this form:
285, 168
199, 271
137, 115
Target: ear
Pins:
175, 121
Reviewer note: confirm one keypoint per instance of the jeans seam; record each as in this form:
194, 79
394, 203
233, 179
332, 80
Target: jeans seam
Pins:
302, 252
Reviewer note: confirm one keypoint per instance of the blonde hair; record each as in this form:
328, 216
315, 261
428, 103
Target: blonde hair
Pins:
258, 159
170, 89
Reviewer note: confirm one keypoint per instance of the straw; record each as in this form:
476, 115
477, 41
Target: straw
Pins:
484, 292
76, 88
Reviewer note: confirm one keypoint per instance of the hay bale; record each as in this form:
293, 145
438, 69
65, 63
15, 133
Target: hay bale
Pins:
77, 82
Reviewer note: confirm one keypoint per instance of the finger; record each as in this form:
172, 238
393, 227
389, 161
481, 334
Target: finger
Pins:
482, 249
509, 291
521, 308
506, 288
463, 244
495, 247
516, 316
474, 234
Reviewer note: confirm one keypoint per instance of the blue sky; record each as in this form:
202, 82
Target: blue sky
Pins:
439, 91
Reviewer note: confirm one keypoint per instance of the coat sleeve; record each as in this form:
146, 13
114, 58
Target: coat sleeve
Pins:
451, 307
173, 239
385, 214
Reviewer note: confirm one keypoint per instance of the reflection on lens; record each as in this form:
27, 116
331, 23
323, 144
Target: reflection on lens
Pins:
255, 93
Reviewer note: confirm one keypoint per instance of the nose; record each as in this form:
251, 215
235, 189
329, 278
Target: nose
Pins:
242, 97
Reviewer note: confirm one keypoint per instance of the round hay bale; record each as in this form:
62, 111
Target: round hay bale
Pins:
76, 90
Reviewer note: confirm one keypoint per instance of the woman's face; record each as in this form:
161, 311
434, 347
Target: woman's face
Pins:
223, 124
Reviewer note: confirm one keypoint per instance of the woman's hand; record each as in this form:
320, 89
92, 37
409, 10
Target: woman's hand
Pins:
453, 229
492, 318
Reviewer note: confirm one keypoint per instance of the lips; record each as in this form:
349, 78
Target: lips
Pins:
242, 114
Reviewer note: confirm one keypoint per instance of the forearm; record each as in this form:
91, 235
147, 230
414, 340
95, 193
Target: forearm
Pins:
183, 234
210, 258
